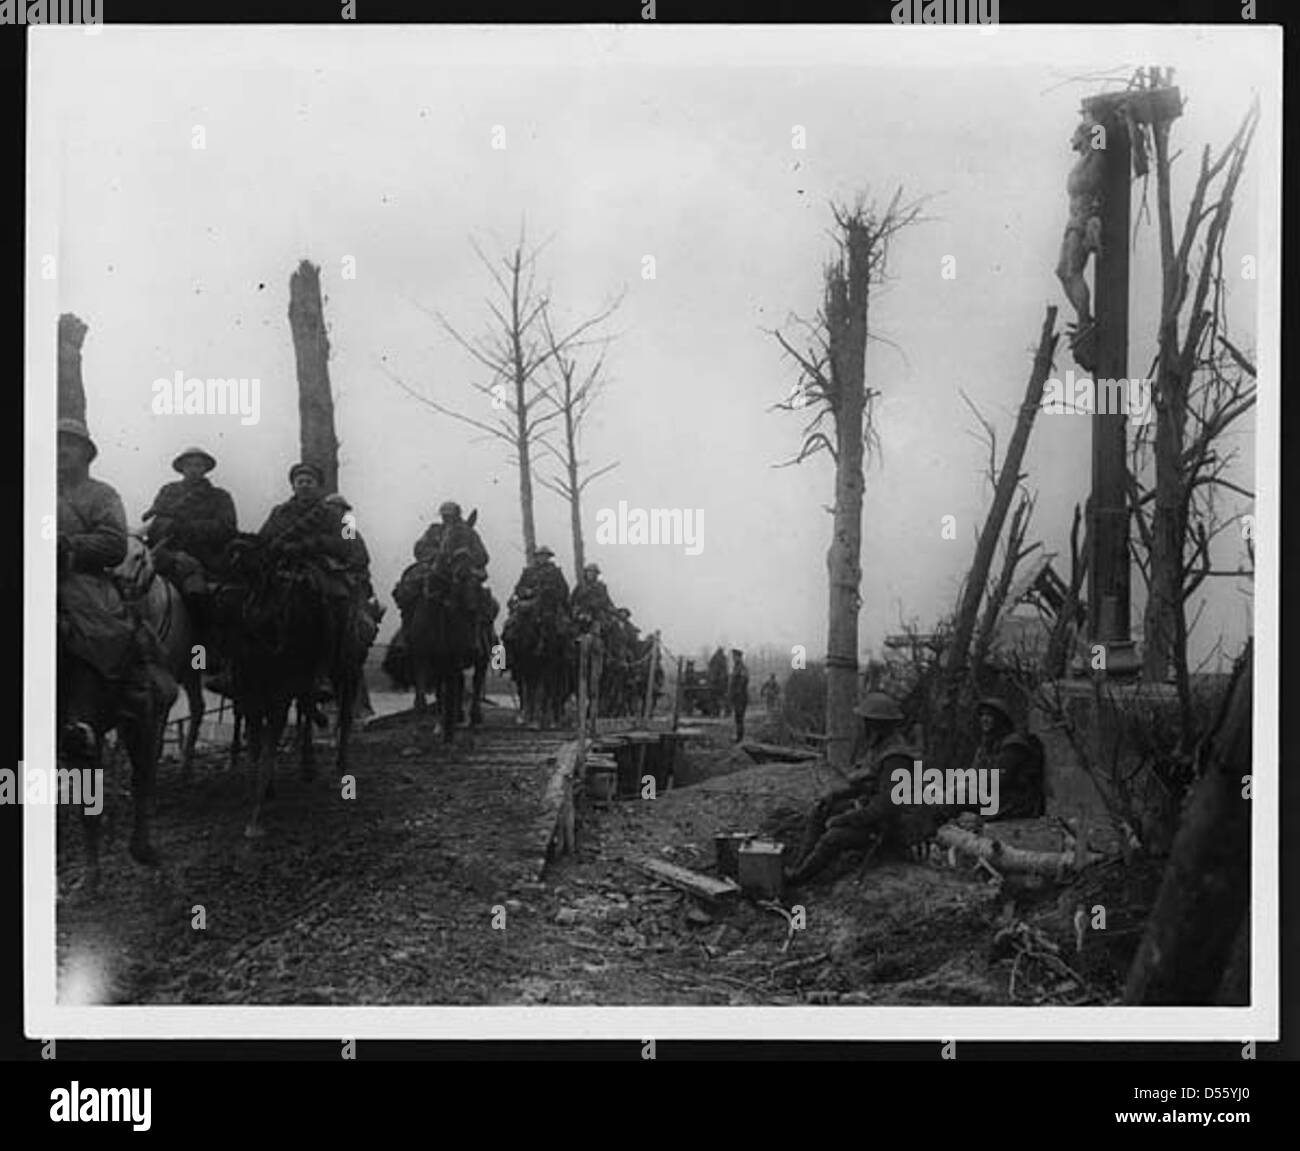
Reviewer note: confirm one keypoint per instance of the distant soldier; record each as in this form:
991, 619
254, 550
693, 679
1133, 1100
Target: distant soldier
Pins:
190, 523
771, 691
717, 682
738, 690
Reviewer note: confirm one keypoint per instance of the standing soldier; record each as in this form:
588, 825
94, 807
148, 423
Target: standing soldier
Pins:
738, 690
772, 695
190, 523
717, 681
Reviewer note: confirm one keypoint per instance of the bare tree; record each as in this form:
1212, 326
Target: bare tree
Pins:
573, 401
832, 380
311, 347
513, 351
1200, 389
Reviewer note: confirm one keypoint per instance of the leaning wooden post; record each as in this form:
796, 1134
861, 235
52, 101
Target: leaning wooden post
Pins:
584, 644
649, 704
677, 695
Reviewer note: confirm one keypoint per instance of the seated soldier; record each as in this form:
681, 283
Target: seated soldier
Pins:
358, 561
844, 809
543, 581
591, 605
305, 529
189, 525
98, 636
1017, 758
460, 543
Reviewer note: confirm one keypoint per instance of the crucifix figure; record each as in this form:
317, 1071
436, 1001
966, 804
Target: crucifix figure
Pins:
1082, 238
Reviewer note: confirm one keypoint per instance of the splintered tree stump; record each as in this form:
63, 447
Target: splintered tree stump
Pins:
311, 347
72, 394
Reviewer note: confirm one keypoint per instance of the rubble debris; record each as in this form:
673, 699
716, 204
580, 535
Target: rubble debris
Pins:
704, 886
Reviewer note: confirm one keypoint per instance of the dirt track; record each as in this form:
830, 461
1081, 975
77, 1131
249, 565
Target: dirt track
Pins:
389, 898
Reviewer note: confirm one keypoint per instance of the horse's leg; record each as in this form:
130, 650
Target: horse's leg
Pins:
269, 725
306, 746
136, 729
194, 696
79, 747
238, 724
449, 689
345, 689
477, 686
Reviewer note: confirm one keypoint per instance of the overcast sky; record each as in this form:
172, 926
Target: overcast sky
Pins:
676, 143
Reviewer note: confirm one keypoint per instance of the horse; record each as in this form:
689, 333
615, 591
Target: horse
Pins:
444, 636
155, 600
538, 652
91, 702
291, 626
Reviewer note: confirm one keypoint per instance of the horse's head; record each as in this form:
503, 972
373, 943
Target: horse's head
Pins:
136, 571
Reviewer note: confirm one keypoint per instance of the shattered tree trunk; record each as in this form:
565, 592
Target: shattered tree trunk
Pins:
1204, 901
522, 438
574, 493
1008, 478
72, 395
847, 290
320, 446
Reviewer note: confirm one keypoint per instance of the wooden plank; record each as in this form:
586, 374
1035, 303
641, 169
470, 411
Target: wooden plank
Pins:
779, 752
704, 886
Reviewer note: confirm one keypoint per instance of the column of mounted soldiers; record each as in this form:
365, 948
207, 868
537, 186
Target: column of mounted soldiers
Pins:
193, 537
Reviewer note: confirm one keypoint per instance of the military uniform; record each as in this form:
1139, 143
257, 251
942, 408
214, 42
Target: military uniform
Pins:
190, 524
98, 635
591, 606
310, 529
544, 582
738, 695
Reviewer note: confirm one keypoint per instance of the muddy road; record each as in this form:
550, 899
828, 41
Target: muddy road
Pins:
424, 889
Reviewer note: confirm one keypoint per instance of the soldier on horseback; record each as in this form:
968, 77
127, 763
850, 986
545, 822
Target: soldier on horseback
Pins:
305, 529
109, 669
190, 523
592, 611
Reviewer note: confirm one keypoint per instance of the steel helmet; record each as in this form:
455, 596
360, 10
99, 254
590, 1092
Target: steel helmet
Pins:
877, 705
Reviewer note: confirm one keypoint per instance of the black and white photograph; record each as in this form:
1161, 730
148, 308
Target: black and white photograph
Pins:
773, 521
